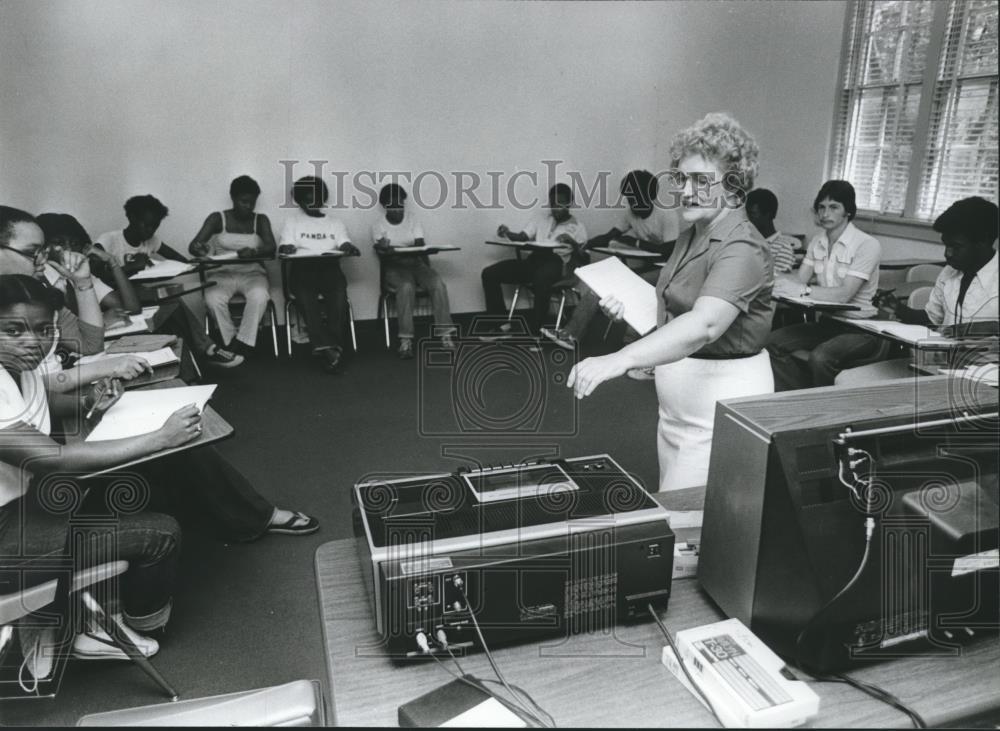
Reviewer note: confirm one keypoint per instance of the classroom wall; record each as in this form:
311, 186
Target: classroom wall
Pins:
103, 100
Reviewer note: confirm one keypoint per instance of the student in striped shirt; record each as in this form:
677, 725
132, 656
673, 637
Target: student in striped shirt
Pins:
762, 207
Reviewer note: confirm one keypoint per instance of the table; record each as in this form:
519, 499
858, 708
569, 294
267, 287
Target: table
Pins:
906, 263
615, 678
214, 429
406, 250
626, 254
520, 246
167, 292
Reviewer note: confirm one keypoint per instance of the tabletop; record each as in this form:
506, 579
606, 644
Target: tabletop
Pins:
614, 677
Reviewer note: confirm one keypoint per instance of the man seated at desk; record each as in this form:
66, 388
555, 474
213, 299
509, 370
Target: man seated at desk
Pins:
966, 289
845, 262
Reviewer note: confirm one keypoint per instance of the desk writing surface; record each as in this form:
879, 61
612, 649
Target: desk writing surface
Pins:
214, 429
614, 677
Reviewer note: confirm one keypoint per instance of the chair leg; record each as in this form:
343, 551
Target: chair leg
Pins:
354, 336
274, 327
562, 306
513, 303
288, 326
125, 644
384, 309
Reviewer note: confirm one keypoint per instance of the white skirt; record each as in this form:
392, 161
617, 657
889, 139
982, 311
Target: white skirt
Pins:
687, 392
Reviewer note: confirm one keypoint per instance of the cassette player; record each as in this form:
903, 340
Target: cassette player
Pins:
522, 551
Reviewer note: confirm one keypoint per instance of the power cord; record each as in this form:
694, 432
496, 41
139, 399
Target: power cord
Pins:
680, 661
879, 694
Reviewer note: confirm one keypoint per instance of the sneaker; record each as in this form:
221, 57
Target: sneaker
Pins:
223, 358
405, 348
96, 645
38, 650
641, 374
562, 337
498, 332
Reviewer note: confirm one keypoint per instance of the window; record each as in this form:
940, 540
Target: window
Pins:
916, 119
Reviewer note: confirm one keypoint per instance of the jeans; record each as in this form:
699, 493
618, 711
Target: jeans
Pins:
541, 270
833, 347
309, 280
401, 276
40, 539
253, 285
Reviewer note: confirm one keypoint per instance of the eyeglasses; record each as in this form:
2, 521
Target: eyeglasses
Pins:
699, 180
37, 258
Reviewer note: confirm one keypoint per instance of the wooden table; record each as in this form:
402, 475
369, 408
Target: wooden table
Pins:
615, 678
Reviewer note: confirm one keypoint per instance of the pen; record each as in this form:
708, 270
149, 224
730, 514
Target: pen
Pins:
98, 395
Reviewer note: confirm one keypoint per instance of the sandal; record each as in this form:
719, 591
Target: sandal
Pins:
299, 524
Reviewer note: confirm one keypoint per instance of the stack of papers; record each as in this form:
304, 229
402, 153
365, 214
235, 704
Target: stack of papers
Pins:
136, 324
611, 277
164, 270
163, 356
142, 412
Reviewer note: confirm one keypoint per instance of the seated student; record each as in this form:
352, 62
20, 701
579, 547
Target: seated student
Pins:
762, 207
541, 268
309, 229
403, 273
136, 246
966, 290
247, 233
63, 232
645, 225
22, 251
844, 261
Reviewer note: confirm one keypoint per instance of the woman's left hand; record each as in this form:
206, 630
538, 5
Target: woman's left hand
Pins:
590, 373
247, 252
74, 266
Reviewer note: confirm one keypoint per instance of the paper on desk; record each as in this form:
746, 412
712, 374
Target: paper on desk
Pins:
488, 714
142, 412
163, 356
224, 256
301, 252
539, 244
163, 270
810, 302
136, 324
611, 277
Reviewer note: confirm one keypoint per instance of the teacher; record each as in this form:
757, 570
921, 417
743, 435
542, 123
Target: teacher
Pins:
714, 303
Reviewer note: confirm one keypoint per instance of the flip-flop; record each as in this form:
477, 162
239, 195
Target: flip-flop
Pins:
299, 524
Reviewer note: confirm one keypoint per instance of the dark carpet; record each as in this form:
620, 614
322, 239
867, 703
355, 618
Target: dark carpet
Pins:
246, 615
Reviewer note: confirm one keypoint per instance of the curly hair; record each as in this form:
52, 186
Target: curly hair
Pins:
720, 138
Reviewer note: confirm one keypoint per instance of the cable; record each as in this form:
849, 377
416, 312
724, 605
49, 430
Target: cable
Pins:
879, 694
683, 666
459, 584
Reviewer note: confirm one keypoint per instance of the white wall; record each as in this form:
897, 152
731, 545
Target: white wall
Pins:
103, 100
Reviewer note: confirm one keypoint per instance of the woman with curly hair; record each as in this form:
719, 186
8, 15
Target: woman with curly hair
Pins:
714, 302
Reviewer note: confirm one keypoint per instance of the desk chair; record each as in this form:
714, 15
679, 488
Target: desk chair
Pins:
23, 601
290, 301
237, 303
386, 293
886, 370
923, 273
561, 289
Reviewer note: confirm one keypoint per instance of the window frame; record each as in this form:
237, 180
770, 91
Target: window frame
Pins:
906, 225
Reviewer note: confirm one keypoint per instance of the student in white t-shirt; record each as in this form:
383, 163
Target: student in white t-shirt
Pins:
645, 225
402, 274
137, 246
309, 230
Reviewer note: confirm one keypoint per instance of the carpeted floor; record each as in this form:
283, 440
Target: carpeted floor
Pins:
246, 616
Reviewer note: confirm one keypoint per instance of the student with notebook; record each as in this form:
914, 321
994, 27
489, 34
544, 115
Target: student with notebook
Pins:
136, 246
542, 268
241, 230
841, 265
402, 274
646, 225
63, 232
309, 230
714, 303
